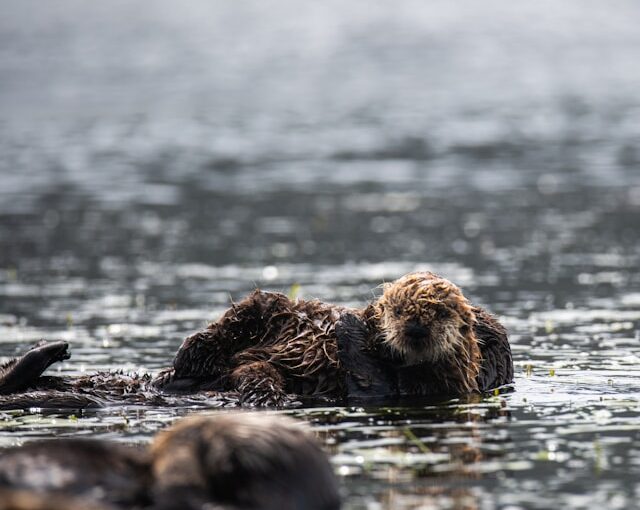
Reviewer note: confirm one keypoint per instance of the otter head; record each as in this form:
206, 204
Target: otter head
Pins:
425, 318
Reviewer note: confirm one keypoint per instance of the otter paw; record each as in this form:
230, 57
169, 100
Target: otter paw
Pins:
164, 378
259, 384
259, 397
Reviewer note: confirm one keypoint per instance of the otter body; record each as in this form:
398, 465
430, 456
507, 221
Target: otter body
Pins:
117, 474
265, 347
19, 374
421, 337
22, 385
11, 499
374, 370
241, 461
227, 462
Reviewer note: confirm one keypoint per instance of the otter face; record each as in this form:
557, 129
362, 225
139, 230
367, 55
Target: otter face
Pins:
424, 318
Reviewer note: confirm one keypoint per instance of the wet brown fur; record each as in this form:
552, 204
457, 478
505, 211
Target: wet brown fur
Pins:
227, 461
112, 473
268, 346
265, 347
244, 461
421, 337
448, 345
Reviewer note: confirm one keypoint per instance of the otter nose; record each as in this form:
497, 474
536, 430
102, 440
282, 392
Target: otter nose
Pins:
415, 330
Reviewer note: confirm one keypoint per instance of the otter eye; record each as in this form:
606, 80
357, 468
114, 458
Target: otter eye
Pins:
397, 311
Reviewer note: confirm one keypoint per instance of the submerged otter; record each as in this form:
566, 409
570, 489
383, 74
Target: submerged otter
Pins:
227, 462
421, 337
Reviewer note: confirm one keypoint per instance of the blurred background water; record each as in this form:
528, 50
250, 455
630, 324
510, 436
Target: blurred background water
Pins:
157, 159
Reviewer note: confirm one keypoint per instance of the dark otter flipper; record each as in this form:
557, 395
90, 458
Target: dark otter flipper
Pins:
23, 372
497, 362
366, 376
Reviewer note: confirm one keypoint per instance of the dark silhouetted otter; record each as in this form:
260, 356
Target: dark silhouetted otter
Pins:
421, 337
229, 461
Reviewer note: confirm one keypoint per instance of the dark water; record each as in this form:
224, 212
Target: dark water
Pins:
158, 159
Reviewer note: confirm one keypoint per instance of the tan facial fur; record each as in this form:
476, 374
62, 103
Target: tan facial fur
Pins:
425, 318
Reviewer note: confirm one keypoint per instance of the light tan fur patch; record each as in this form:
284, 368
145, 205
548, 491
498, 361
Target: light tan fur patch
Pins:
427, 302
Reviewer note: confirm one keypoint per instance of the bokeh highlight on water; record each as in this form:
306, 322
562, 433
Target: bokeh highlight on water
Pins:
158, 160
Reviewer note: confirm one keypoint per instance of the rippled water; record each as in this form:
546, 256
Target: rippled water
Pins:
157, 161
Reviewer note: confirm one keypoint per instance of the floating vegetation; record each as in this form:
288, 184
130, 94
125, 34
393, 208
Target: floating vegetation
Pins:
294, 291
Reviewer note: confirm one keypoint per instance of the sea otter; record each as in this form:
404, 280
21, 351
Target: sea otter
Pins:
248, 460
227, 462
421, 337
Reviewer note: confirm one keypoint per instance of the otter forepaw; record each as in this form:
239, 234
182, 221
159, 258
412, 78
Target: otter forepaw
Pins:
164, 378
260, 384
263, 393
261, 398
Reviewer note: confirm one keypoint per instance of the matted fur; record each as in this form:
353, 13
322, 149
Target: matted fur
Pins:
421, 337
427, 302
243, 460
229, 460
265, 347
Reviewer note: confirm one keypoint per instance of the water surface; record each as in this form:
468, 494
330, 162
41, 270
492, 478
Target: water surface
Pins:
157, 162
